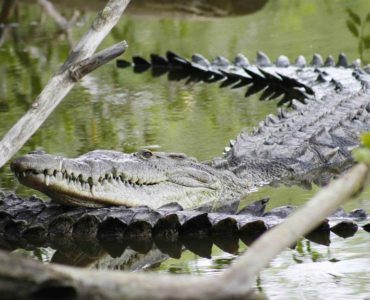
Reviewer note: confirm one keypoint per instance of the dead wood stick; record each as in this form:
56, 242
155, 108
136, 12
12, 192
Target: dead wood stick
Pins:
61, 83
22, 278
301, 222
80, 69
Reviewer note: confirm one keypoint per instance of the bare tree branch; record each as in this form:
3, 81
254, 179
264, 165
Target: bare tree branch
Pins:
80, 69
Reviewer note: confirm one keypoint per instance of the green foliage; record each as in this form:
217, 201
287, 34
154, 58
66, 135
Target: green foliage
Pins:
365, 139
354, 17
357, 27
352, 27
363, 154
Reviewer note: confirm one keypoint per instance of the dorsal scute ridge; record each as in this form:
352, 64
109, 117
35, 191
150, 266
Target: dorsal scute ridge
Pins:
220, 61
317, 60
282, 61
342, 60
300, 62
262, 60
329, 61
325, 140
241, 61
282, 81
200, 59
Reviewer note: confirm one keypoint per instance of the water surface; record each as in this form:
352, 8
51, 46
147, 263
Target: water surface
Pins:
113, 108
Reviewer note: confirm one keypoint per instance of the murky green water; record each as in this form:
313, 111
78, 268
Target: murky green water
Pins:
115, 109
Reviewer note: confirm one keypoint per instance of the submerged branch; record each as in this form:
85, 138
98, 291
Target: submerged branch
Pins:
61, 83
21, 277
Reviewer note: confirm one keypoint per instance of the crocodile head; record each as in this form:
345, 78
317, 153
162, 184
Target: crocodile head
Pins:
105, 177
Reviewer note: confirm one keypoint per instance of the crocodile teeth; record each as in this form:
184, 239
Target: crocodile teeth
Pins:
47, 180
140, 181
49, 171
92, 189
95, 178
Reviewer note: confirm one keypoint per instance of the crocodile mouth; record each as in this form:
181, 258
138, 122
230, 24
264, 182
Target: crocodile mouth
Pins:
94, 184
79, 189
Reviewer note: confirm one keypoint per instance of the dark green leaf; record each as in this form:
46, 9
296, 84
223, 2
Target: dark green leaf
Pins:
366, 40
352, 27
368, 17
355, 17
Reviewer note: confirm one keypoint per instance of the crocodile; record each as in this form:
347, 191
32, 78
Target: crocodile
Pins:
309, 142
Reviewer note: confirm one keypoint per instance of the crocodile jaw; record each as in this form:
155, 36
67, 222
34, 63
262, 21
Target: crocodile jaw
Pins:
115, 192
113, 178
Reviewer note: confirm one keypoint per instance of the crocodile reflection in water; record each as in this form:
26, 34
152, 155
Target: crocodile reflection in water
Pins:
110, 243
33, 222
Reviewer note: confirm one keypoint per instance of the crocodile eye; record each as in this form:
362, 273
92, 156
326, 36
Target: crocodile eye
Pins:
146, 154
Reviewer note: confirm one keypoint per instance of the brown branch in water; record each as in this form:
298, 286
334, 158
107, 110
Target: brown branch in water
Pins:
80, 69
61, 83
25, 278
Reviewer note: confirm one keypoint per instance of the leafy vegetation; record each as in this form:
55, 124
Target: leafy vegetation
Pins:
363, 154
357, 26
